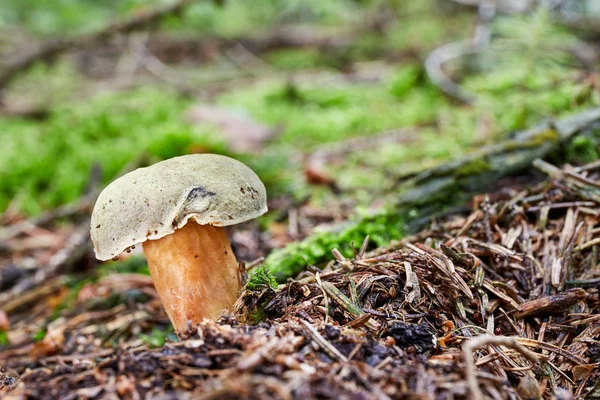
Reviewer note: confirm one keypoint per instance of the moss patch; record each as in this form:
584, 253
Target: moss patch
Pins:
260, 277
381, 228
585, 148
4, 338
131, 265
157, 336
47, 164
475, 166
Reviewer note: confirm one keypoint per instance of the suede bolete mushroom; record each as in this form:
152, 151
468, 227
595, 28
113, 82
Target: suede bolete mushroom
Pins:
177, 208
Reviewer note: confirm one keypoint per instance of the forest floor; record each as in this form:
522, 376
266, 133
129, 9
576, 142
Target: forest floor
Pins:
341, 110
513, 285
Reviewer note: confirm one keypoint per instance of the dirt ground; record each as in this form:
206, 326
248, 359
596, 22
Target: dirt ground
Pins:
502, 301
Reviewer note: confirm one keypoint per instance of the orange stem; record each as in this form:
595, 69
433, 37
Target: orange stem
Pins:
195, 273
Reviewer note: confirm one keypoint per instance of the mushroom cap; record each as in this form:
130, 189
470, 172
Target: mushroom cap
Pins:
150, 203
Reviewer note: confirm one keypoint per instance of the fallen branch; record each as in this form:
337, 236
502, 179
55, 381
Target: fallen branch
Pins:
323, 343
76, 247
558, 303
50, 49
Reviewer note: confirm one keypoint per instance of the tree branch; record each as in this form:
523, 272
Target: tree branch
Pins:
51, 48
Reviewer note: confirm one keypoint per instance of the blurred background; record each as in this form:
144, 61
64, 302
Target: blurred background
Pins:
330, 102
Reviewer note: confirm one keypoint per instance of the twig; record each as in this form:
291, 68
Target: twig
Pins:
434, 65
587, 189
77, 245
484, 340
363, 248
587, 245
323, 343
536, 344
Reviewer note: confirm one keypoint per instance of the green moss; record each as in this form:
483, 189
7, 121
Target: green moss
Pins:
475, 166
257, 315
131, 265
235, 18
545, 136
3, 338
381, 228
424, 30
260, 277
38, 335
548, 135
312, 115
405, 79
156, 337
584, 148
47, 164
294, 59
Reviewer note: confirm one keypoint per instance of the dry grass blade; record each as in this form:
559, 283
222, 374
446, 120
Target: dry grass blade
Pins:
447, 267
348, 305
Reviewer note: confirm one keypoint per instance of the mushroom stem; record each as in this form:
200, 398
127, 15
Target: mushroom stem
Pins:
195, 273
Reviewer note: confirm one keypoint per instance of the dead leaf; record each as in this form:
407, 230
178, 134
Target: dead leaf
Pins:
580, 372
242, 133
315, 176
52, 343
125, 386
4, 322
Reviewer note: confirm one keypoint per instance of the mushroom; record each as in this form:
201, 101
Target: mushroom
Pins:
178, 209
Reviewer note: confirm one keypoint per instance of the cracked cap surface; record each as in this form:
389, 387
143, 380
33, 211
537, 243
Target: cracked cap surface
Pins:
150, 203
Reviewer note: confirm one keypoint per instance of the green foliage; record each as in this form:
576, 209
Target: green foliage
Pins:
4, 338
235, 18
39, 334
405, 79
62, 16
240, 18
317, 114
525, 73
131, 265
474, 167
525, 76
257, 315
530, 36
584, 148
294, 59
421, 27
156, 337
47, 164
381, 228
260, 277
